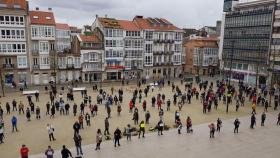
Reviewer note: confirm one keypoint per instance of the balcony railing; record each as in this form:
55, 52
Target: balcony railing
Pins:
36, 67
8, 66
70, 66
35, 52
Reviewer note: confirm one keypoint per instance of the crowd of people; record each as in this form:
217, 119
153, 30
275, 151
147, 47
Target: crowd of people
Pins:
210, 94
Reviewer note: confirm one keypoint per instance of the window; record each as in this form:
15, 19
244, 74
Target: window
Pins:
35, 61
22, 61
8, 61
44, 47
149, 48
148, 60
149, 35
44, 60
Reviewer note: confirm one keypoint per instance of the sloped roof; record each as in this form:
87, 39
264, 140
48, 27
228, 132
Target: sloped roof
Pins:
12, 3
89, 38
62, 26
42, 18
128, 25
155, 24
110, 23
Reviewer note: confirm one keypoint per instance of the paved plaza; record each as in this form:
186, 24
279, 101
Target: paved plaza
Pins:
261, 142
34, 133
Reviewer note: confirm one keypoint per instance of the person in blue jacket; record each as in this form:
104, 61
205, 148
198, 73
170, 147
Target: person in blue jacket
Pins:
14, 123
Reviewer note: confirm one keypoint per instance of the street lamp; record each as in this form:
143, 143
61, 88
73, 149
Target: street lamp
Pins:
230, 71
2, 84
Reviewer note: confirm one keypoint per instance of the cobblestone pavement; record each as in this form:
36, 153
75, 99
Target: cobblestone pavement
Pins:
261, 142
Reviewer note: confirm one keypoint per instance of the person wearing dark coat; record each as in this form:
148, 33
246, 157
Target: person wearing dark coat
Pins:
117, 136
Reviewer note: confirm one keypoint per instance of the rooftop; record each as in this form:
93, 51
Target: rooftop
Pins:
13, 4
89, 38
42, 18
154, 24
61, 26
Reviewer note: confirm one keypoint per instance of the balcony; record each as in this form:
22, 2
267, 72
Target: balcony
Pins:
8, 66
36, 67
35, 52
70, 66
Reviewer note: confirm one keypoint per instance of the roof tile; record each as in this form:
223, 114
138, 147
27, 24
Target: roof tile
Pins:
42, 18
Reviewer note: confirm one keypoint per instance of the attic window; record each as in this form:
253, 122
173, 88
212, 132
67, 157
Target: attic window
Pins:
3, 5
16, 6
48, 18
35, 17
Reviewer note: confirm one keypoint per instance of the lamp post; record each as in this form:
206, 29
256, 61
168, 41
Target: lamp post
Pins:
230, 71
101, 70
272, 76
2, 84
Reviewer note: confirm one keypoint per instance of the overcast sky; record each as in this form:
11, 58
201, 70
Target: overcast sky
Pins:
183, 13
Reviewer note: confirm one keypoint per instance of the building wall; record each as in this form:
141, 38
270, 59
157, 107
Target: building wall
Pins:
14, 46
198, 52
247, 34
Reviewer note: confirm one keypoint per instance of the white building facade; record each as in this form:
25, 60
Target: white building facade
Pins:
43, 60
14, 43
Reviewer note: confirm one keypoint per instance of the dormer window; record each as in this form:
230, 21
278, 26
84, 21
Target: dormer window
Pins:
17, 6
48, 18
3, 5
35, 17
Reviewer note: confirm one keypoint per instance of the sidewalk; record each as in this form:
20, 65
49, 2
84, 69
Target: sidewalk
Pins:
262, 142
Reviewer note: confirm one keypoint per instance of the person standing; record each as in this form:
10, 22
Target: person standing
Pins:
14, 123
28, 114
24, 151
75, 107
65, 153
99, 137
219, 125
160, 127
50, 129
76, 127
14, 103
142, 129
8, 108
78, 143
180, 126
188, 124
212, 130
135, 117
20, 108
253, 121
147, 117
117, 136
87, 118
106, 122
38, 111
278, 121
263, 117
37, 96
49, 152
48, 106
81, 121
1, 134
236, 125
128, 132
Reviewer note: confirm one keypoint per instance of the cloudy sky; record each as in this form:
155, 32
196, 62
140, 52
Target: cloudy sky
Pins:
183, 13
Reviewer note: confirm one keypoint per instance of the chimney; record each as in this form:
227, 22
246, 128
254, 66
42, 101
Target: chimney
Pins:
96, 16
106, 16
49, 9
37, 8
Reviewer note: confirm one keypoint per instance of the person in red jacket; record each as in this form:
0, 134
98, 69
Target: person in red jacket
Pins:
24, 151
130, 106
